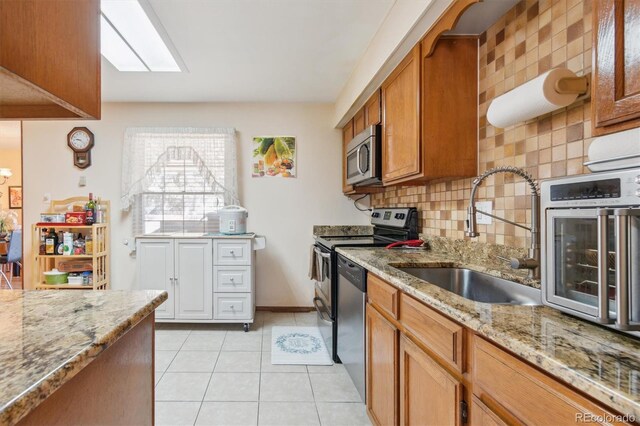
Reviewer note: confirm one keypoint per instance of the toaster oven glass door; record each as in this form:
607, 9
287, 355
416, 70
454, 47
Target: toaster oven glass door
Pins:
592, 260
573, 273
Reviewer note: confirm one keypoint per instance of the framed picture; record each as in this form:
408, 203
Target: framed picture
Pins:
15, 197
273, 156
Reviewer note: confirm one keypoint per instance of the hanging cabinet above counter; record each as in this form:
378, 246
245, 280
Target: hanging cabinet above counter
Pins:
50, 59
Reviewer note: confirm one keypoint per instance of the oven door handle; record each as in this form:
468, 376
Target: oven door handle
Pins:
322, 254
622, 276
603, 266
321, 310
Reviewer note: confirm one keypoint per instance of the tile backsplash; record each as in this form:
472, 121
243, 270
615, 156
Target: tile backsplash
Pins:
531, 38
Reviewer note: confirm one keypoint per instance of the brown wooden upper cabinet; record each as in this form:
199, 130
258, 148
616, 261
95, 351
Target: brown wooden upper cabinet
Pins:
430, 113
49, 59
616, 72
401, 120
373, 110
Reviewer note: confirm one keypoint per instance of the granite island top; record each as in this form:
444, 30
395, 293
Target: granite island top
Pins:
600, 362
48, 336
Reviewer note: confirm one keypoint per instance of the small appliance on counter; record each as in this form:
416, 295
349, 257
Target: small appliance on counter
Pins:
591, 247
233, 220
390, 225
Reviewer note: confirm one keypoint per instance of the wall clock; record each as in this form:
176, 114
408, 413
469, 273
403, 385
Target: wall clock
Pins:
80, 140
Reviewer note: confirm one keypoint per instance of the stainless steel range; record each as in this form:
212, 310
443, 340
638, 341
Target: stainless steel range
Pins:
389, 225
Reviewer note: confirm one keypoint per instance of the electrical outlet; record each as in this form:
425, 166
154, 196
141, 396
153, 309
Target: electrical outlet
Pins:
485, 206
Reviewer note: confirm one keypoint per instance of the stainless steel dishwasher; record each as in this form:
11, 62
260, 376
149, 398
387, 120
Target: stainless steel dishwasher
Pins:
352, 294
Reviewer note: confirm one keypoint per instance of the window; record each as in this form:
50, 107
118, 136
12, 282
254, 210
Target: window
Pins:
176, 180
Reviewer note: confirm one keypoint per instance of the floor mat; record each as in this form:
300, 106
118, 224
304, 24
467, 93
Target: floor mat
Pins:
298, 345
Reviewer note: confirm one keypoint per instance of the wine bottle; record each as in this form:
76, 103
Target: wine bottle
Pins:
90, 211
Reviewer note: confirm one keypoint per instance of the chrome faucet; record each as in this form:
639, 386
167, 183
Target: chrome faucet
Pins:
532, 263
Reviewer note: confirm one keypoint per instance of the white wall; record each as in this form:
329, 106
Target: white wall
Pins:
284, 210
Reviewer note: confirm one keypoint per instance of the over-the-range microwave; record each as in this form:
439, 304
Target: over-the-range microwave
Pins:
364, 159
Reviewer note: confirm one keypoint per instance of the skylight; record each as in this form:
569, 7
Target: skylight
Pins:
130, 41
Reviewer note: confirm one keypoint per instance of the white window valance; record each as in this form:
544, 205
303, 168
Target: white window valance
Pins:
210, 153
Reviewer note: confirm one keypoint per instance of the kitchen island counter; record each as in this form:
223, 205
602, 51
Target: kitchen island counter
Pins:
597, 361
48, 337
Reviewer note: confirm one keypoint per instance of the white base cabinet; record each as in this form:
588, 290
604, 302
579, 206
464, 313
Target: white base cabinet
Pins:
207, 279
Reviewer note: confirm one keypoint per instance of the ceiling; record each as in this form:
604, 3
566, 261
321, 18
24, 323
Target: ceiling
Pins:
10, 135
254, 50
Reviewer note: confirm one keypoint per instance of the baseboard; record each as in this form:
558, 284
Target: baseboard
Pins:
286, 308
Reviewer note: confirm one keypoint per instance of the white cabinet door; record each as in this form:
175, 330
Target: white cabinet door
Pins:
194, 279
155, 271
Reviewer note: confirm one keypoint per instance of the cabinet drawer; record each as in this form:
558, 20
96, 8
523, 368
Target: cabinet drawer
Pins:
232, 252
509, 385
232, 306
232, 279
441, 335
383, 295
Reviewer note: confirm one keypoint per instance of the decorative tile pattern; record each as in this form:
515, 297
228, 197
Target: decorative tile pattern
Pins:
531, 38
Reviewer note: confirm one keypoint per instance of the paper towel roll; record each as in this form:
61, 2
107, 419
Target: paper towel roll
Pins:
615, 151
532, 99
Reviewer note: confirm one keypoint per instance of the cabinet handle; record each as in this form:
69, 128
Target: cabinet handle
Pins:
175, 280
171, 279
232, 252
232, 279
231, 307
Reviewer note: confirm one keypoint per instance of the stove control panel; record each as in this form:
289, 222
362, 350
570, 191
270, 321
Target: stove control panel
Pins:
395, 217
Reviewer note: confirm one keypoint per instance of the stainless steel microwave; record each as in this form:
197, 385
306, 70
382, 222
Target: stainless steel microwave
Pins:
591, 247
364, 159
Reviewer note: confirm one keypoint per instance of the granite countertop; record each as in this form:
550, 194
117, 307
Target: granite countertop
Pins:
247, 235
602, 363
341, 230
48, 336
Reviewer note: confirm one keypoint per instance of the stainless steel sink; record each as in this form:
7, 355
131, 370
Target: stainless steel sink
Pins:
478, 286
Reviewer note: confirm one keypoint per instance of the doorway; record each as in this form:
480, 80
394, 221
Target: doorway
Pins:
11, 242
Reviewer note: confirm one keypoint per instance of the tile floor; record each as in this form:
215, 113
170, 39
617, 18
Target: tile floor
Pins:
219, 375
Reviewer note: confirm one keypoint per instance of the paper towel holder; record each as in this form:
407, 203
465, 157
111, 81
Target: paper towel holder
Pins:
574, 85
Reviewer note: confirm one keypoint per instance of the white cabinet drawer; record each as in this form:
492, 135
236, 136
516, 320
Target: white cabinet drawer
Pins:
232, 279
228, 306
232, 252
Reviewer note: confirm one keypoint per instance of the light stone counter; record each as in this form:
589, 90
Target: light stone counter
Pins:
47, 337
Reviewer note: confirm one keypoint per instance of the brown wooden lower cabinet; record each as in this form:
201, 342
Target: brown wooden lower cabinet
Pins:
428, 394
411, 379
382, 374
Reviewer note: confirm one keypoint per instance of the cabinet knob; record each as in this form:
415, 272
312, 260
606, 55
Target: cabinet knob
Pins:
231, 307
232, 279
232, 252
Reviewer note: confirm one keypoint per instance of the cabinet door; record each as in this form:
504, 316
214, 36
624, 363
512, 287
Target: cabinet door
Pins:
401, 153
373, 110
382, 368
194, 279
347, 135
617, 65
154, 259
358, 122
428, 394
481, 415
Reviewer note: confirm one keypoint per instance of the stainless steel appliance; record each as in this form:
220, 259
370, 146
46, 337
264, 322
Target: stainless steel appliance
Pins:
363, 157
352, 300
591, 247
389, 225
